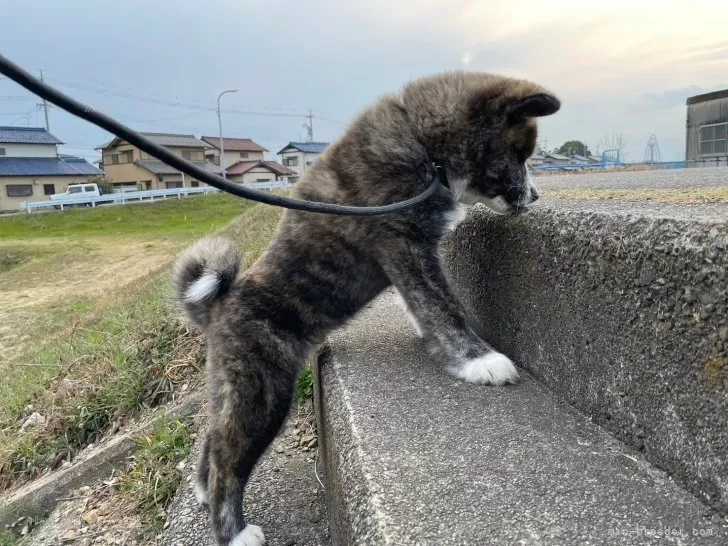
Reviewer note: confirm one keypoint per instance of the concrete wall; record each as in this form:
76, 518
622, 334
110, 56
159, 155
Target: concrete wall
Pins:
304, 161
29, 150
625, 316
60, 183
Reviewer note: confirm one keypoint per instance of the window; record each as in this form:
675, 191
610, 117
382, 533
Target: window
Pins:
195, 184
2, 151
75, 189
714, 139
49, 189
19, 190
243, 155
292, 161
89, 188
171, 185
262, 179
193, 155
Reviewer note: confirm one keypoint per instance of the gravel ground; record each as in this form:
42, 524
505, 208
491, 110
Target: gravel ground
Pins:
284, 496
662, 178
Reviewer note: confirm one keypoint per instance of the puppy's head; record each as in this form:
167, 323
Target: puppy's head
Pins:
498, 137
482, 127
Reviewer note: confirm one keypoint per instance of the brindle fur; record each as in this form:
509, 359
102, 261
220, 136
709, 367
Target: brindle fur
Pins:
319, 270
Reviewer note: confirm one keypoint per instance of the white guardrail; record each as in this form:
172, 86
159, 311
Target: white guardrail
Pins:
135, 196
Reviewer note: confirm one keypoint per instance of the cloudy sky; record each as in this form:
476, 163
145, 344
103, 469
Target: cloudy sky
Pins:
620, 67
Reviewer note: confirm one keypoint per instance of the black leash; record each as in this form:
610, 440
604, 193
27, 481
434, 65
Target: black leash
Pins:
34, 85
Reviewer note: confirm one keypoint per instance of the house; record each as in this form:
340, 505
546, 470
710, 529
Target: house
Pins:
298, 156
31, 168
128, 168
235, 149
244, 172
706, 137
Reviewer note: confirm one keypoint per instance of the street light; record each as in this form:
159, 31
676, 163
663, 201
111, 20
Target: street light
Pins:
219, 123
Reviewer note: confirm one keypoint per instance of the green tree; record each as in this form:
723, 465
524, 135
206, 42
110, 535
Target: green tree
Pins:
571, 147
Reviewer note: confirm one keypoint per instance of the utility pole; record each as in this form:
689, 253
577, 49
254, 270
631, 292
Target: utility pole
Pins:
309, 127
222, 141
44, 104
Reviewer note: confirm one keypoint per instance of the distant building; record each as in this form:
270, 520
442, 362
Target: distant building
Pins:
236, 150
31, 168
244, 172
299, 156
130, 169
707, 128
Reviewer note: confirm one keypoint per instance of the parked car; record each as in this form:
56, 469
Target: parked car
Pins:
75, 192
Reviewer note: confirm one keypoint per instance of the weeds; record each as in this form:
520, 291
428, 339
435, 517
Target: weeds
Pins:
91, 381
153, 475
304, 388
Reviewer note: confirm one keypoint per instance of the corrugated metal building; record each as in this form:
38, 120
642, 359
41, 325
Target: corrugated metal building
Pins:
706, 140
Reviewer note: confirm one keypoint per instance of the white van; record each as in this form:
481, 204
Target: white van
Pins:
77, 191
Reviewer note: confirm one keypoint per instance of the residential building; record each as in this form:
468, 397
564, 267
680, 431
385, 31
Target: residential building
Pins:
299, 156
236, 150
244, 172
31, 169
707, 128
128, 168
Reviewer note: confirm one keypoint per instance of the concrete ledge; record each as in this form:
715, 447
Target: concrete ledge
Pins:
622, 310
39, 497
413, 456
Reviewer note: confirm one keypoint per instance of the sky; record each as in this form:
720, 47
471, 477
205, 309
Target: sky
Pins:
620, 67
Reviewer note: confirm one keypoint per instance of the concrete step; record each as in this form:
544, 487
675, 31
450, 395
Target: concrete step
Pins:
621, 309
413, 456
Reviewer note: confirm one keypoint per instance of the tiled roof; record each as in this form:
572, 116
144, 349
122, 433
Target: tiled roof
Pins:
280, 169
307, 147
158, 167
46, 166
234, 144
242, 167
165, 139
26, 135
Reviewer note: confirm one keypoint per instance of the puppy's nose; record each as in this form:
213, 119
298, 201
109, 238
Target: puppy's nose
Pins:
513, 196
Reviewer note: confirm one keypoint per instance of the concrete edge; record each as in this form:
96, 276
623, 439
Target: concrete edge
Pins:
40, 497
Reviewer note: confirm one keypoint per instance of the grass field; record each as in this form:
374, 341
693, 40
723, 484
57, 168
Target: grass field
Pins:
679, 196
89, 335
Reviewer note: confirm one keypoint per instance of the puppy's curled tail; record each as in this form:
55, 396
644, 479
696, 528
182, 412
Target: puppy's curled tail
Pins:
203, 275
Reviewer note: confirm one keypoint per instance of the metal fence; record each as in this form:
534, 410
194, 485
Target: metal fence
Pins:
136, 196
585, 167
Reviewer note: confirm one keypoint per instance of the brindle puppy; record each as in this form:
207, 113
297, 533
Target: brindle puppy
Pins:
319, 270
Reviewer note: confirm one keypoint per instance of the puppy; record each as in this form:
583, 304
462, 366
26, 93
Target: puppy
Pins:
319, 270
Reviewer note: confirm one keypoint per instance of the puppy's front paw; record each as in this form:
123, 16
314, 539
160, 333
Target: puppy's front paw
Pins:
490, 369
252, 535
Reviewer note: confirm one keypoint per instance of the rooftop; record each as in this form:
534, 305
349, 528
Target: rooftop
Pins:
46, 166
26, 135
164, 139
242, 167
159, 167
234, 144
708, 96
306, 147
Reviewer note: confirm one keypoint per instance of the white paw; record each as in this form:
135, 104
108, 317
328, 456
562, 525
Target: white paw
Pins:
201, 494
252, 535
491, 369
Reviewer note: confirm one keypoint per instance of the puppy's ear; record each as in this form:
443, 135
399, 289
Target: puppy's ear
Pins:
533, 106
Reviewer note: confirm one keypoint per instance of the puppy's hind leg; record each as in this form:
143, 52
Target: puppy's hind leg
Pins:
203, 473
254, 393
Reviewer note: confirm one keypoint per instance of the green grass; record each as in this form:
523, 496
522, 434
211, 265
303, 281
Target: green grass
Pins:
123, 358
304, 387
174, 217
153, 477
